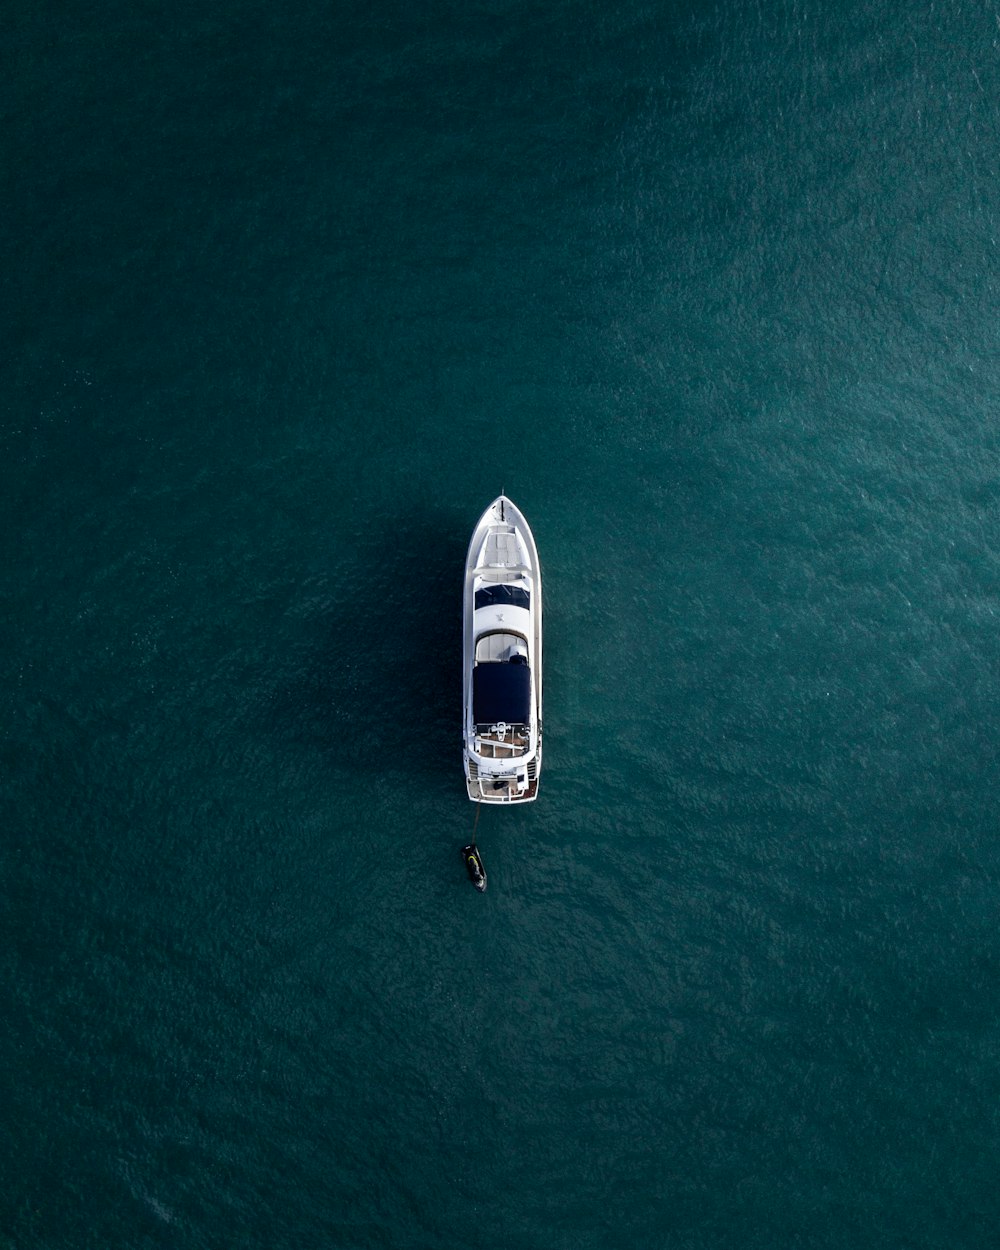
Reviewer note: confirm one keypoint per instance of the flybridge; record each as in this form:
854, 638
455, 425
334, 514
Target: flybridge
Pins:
501, 692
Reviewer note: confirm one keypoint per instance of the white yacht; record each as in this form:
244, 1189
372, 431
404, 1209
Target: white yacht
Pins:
503, 659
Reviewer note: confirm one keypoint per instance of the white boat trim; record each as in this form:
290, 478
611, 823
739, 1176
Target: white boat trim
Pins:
502, 659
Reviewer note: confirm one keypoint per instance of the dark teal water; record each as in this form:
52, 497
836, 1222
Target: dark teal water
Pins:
289, 295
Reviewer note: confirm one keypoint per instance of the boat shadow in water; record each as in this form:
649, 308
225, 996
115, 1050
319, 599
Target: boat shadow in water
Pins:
375, 675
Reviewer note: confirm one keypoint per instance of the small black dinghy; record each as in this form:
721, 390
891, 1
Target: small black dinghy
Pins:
474, 866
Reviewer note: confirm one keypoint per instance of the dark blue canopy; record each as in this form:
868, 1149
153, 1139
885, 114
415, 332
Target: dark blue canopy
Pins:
501, 692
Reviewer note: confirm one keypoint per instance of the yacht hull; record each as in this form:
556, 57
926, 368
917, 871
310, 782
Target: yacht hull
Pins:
502, 654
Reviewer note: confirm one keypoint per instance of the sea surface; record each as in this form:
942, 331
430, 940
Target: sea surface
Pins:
289, 294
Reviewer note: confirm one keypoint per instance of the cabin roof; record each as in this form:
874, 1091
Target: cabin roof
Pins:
501, 692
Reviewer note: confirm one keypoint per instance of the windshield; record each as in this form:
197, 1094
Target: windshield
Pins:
502, 596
